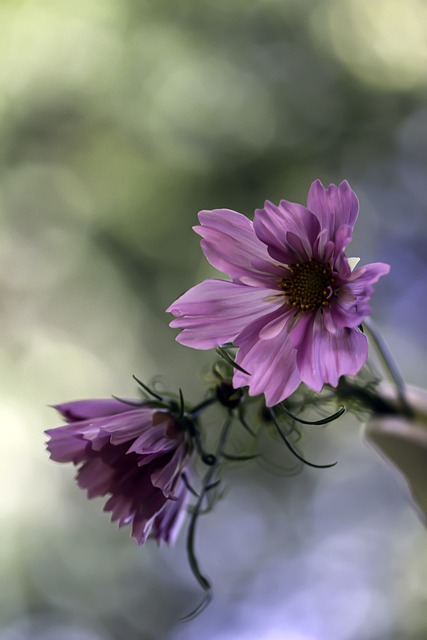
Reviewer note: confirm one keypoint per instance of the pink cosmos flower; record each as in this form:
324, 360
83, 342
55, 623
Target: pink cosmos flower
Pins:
135, 453
293, 305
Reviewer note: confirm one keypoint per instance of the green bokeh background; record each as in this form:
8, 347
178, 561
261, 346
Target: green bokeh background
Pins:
119, 120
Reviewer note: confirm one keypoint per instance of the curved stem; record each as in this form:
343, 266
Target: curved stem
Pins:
389, 363
323, 421
203, 405
208, 483
292, 449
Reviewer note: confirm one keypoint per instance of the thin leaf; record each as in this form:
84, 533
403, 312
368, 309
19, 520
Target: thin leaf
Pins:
147, 389
200, 607
226, 356
327, 420
293, 450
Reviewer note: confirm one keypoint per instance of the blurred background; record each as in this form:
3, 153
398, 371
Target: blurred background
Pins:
119, 120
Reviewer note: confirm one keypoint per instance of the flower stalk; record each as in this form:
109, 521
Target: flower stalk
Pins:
207, 485
390, 364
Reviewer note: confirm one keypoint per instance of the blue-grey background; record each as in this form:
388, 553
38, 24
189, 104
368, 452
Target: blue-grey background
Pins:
119, 120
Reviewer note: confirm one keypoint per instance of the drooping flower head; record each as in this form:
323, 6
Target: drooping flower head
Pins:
294, 305
135, 453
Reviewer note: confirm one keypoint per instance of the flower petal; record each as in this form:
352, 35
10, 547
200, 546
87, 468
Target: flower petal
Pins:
122, 509
289, 231
271, 363
152, 440
115, 428
95, 476
164, 477
342, 238
322, 356
85, 409
231, 245
66, 445
362, 278
334, 206
350, 306
168, 521
215, 311
141, 529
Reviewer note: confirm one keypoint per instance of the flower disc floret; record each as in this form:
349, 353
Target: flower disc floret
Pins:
308, 286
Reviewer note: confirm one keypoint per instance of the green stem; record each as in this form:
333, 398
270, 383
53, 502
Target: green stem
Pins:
203, 405
389, 363
208, 482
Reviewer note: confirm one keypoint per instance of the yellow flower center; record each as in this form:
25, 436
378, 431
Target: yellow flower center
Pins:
308, 286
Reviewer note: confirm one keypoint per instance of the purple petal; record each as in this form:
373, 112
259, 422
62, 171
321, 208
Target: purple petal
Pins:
141, 529
334, 207
145, 516
350, 306
230, 245
66, 445
138, 505
362, 278
131, 482
165, 476
153, 440
342, 238
215, 311
149, 500
289, 231
95, 476
271, 362
85, 409
146, 458
168, 522
322, 357
72, 442
116, 428
122, 509
129, 427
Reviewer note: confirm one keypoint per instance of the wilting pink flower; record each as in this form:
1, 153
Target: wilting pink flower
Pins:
135, 453
293, 305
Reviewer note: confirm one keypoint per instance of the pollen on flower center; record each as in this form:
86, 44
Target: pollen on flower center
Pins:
308, 285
